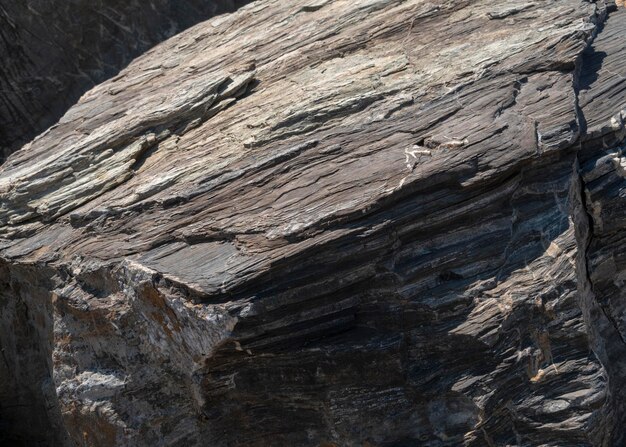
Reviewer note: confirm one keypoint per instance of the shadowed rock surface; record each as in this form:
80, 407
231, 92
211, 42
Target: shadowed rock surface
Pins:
52, 51
329, 223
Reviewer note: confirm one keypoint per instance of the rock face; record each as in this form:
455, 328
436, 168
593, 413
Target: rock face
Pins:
52, 51
316, 222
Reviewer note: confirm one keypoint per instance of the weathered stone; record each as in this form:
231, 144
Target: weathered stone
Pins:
329, 223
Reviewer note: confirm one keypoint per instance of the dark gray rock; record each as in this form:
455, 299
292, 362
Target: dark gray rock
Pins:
330, 223
52, 51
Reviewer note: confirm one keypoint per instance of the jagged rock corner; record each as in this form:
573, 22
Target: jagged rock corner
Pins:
327, 223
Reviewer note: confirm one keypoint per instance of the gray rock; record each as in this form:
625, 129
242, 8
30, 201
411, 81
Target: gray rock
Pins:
53, 51
340, 223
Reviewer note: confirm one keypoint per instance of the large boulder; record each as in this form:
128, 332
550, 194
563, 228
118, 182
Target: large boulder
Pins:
315, 222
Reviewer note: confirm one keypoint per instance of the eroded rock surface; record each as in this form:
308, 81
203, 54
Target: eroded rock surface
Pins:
373, 222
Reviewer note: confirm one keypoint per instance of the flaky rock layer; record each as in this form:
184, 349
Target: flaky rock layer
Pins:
373, 222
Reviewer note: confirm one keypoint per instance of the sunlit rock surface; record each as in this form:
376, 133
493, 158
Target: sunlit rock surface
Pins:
337, 223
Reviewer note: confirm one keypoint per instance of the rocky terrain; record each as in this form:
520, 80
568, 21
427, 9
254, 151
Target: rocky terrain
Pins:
52, 51
329, 223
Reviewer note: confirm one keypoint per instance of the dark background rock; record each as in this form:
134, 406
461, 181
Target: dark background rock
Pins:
52, 51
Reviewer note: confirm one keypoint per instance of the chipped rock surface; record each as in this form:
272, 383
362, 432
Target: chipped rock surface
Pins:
329, 222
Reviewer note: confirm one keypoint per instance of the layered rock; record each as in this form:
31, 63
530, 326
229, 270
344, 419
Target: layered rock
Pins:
603, 110
374, 222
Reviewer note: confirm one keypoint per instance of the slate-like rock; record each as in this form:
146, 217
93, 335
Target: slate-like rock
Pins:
372, 222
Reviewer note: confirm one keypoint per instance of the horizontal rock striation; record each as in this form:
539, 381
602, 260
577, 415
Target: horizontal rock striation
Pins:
603, 109
373, 222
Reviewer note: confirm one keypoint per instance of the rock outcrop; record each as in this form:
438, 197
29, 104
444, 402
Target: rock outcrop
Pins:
316, 222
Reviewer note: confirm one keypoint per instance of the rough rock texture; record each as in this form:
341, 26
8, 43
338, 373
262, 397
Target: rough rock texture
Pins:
52, 51
316, 222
